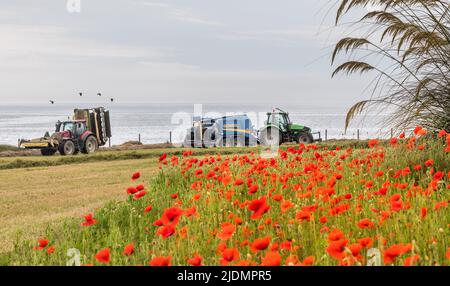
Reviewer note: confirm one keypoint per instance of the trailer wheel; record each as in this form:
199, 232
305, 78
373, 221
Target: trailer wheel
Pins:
305, 138
67, 148
48, 151
91, 145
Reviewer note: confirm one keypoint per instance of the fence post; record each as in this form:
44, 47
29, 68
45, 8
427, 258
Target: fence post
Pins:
170, 137
326, 135
392, 133
139, 138
357, 134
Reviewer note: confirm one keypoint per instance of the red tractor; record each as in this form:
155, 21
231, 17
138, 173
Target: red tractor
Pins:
89, 130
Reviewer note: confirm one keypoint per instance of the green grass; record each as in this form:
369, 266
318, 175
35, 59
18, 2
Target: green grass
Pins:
8, 148
125, 222
41, 161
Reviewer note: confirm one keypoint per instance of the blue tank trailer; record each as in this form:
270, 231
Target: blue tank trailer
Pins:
238, 131
227, 131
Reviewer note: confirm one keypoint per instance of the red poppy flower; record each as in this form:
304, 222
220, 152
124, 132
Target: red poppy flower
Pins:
308, 261
128, 250
365, 223
365, 242
336, 248
429, 163
335, 235
391, 253
166, 231
447, 254
291, 260
148, 209
140, 187
260, 244
171, 215
103, 256
238, 182
160, 261
259, 207
423, 212
132, 191
229, 255
195, 261
286, 205
303, 216
253, 189
409, 261
192, 211
50, 250
136, 176
417, 129
198, 172
286, 245
442, 133
438, 176
139, 195
42, 243
227, 231
89, 220
162, 157
272, 258
373, 143
355, 249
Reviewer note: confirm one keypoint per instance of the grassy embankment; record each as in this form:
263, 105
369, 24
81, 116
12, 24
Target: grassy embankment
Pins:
37, 191
123, 223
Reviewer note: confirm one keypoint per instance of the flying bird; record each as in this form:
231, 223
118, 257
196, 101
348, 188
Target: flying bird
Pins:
99, 94
80, 93
51, 101
112, 99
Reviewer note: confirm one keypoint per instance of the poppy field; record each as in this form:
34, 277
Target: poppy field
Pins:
385, 204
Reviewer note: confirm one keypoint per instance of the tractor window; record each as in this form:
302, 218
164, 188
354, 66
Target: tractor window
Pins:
68, 126
277, 119
81, 128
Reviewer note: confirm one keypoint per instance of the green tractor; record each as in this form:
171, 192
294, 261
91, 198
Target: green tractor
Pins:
279, 129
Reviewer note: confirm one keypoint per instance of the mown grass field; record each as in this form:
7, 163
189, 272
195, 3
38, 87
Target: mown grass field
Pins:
37, 192
312, 205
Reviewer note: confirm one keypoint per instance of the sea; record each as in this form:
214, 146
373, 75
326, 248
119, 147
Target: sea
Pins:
158, 123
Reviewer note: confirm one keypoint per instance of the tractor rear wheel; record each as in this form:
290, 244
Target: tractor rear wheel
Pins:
67, 148
270, 137
305, 138
91, 145
48, 151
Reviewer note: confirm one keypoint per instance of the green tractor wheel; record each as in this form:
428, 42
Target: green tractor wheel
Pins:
305, 138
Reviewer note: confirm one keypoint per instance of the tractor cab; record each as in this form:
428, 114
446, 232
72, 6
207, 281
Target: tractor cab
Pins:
279, 129
279, 118
70, 129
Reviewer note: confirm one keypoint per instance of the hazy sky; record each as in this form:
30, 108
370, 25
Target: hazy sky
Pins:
201, 51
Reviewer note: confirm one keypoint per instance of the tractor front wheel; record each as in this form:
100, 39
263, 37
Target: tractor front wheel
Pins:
67, 148
90, 146
48, 151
